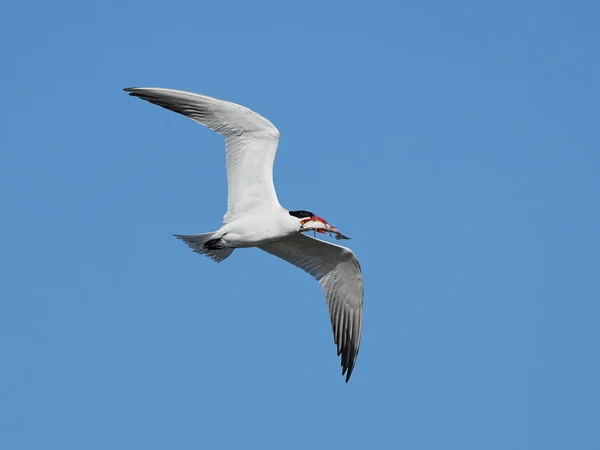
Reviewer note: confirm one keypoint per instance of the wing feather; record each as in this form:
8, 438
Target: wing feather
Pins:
250, 139
338, 271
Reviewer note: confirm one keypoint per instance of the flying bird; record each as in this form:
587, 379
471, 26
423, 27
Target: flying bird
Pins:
254, 217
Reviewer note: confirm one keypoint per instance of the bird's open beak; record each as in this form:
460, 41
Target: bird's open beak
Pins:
307, 222
320, 225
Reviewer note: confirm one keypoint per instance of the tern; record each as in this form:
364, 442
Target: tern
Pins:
254, 217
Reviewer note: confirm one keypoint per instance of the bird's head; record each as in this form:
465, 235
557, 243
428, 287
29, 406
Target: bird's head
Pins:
308, 221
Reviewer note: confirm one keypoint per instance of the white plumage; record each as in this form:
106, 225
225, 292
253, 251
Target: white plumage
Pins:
254, 217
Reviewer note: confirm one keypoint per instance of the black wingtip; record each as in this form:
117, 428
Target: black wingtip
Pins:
349, 354
132, 91
348, 373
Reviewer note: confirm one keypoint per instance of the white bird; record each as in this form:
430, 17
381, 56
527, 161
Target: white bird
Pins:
255, 218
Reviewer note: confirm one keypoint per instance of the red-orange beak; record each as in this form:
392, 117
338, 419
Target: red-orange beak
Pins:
317, 218
326, 228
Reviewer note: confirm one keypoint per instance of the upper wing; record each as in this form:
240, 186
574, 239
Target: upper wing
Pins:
250, 139
338, 271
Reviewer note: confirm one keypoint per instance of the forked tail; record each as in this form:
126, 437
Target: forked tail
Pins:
201, 243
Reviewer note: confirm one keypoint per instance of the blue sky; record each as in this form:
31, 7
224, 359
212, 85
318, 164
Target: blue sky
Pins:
456, 142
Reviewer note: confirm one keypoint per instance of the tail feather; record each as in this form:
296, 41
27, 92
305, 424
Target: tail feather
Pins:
196, 243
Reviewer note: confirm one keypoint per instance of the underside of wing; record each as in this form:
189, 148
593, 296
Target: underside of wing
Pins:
251, 143
339, 273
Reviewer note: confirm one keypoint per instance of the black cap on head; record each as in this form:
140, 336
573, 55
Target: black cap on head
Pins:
301, 214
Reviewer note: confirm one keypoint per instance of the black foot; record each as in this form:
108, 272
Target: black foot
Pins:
214, 244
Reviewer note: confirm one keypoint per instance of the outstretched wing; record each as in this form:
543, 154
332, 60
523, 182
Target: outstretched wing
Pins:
250, 139
338, 271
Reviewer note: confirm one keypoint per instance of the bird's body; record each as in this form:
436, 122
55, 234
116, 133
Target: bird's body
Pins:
243, 232
255, 218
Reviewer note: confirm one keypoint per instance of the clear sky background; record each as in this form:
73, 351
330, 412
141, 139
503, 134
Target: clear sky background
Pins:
456, 142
